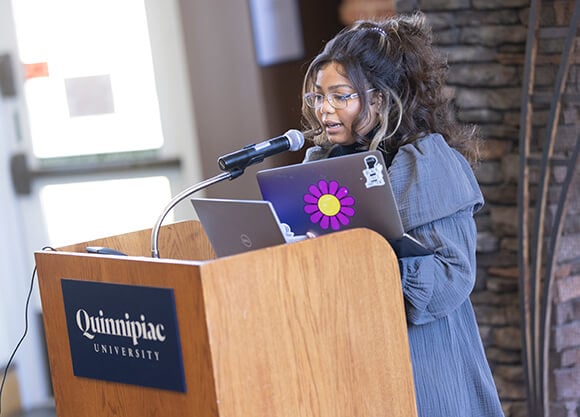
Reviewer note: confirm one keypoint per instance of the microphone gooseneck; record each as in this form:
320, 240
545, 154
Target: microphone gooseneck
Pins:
234, 165
180, 197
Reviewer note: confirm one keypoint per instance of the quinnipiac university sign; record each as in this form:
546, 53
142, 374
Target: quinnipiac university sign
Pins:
124, 333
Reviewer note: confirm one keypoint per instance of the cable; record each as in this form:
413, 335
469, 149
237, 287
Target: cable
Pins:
27, 304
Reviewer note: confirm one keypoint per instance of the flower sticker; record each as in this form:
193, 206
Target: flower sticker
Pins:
329, 204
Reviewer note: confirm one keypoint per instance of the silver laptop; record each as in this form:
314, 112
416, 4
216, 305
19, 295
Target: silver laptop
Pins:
236, 226
336, 194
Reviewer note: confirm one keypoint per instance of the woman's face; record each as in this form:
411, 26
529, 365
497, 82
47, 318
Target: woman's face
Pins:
337, 123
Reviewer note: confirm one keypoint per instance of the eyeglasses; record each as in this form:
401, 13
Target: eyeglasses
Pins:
338, 101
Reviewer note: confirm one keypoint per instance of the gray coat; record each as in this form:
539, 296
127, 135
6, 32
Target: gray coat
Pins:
437, 195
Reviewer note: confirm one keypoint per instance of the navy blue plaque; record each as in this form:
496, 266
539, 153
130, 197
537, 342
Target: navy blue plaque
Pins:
124, 333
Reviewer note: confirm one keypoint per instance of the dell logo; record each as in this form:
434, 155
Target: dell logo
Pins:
246, 241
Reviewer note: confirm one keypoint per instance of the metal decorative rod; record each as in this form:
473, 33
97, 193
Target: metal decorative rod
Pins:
230, 175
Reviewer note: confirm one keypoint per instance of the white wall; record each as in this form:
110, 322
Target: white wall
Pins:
16, 264
12, 264
15, 279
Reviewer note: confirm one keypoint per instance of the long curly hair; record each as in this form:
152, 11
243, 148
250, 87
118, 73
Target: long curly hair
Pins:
395, 57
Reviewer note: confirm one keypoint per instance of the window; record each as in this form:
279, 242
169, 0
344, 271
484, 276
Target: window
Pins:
90, 86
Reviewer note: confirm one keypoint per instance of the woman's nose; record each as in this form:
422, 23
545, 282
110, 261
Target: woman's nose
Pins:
326, 107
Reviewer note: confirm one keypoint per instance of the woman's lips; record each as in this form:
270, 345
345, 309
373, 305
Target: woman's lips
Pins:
332, 127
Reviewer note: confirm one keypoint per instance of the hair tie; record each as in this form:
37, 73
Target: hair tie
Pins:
378, 29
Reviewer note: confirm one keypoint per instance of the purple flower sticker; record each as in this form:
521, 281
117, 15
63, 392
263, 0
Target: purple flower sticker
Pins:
329, 204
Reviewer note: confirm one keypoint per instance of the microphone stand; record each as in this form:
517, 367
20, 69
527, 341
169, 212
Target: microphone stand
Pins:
230, 175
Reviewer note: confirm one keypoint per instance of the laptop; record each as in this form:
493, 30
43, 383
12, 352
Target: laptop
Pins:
236, 226
336, 194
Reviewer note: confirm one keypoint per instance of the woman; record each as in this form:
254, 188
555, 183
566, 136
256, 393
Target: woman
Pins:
380, 85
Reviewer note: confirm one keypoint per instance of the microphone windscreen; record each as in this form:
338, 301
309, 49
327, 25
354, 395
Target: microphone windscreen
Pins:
295, 138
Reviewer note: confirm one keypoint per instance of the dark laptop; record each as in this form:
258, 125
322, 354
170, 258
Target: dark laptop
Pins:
336, 194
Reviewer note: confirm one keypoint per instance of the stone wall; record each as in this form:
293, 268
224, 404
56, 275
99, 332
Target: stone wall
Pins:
485, 41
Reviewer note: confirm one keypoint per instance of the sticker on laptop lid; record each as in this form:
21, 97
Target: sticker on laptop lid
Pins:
329, 204
373, 172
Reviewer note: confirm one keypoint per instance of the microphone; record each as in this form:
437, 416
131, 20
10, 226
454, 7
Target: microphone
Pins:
292, 140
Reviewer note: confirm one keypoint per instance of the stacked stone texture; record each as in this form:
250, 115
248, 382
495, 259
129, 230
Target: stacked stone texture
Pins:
485, 43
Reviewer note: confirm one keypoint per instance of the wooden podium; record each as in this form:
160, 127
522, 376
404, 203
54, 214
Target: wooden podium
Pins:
314, 328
